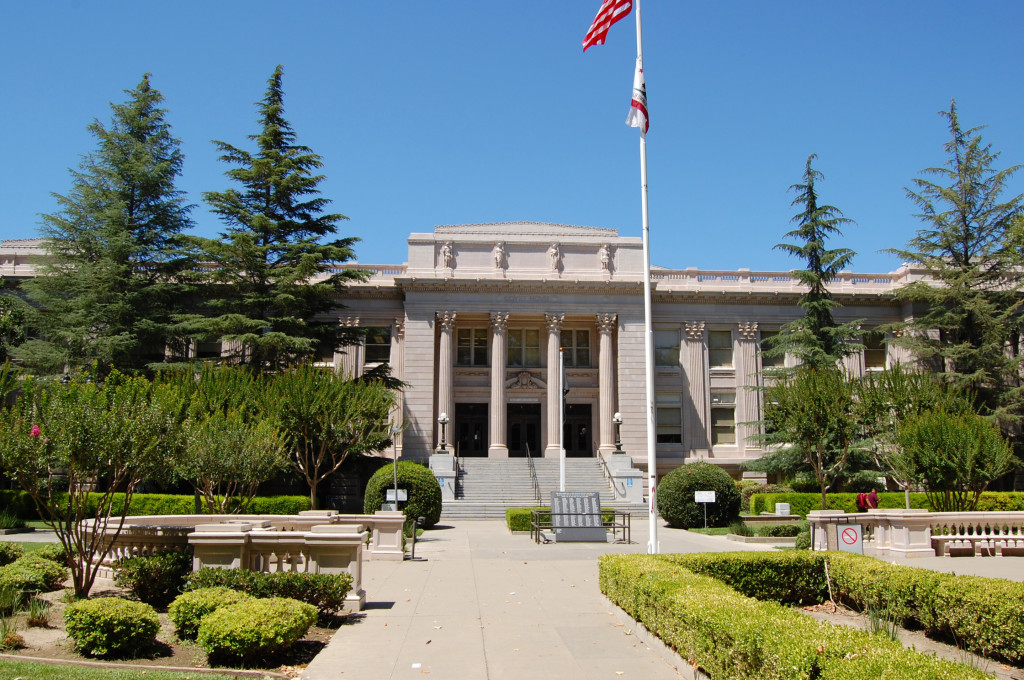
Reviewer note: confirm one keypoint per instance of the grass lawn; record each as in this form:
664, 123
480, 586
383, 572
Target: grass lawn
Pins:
711, 531
9, 670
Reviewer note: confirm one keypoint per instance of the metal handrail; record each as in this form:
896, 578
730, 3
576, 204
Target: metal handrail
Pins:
533, 473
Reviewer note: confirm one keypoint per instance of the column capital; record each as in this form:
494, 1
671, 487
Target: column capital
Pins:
446, 319
554, 322
349, 321
748, 330
606, 322
500, 321
694, 330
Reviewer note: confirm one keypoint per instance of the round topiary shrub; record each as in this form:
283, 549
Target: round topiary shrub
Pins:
424, 491
31, 572
10, 552
110, 626
188, 609
676, 496
256, 628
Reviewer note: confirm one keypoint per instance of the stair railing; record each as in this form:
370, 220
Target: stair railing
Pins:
533, 473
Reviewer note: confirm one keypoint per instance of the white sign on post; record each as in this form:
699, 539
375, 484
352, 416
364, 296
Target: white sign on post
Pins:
403, 495
851, 539
704, 496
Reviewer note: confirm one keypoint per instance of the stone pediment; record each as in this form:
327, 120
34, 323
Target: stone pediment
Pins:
511, 229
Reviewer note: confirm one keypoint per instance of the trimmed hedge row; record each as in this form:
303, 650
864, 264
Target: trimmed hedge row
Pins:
518, 519
985, 615
326, 592
20, 503
733, 636
802, 503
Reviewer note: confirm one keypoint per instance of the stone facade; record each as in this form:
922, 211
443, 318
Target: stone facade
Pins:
474, 320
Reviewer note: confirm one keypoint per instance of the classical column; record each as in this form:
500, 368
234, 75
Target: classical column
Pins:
397, 363
498, 446
605, 382
554, 439
445, 371
695, 420
748, 398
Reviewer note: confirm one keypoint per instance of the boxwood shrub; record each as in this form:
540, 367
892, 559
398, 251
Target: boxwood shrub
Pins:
802, 503
20, 503
676, 496
518, 519
983, 615
326, 592
255, 628
9, 552
424, 491
155, 579
778, 531
111, 626
188, 609
732, 636
33, 573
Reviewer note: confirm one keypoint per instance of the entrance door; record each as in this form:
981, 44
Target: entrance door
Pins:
578, 432
524, 429
471, 429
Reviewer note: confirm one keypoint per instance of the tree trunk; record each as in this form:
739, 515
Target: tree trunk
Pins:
906, 494
823, 488
312, 495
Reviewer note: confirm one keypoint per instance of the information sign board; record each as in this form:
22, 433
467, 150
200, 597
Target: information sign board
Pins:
576, 516
851, 538
403, 495
704, 496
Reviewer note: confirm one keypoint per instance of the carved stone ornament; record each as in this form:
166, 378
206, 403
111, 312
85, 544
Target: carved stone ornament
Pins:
447, 255
524, 380
748, 330
606, 322
446, 319
554, 256
554, 322
349, 322
399, 326
604, 256
499, 254
500, 321
695, 330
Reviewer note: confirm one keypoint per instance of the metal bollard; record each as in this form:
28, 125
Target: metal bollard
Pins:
420, 521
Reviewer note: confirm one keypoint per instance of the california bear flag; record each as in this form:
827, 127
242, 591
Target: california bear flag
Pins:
638, 107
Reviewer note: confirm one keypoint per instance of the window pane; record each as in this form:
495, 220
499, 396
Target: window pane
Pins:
463, 356
720, 339
874, 350
583, 338
583, 357
666, 348
565, 339
532, 356
767, 361
720, 348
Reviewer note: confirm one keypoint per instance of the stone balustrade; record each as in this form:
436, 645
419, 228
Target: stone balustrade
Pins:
312, 542
920, 533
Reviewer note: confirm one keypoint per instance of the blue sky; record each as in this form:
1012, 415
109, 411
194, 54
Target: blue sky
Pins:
466, 111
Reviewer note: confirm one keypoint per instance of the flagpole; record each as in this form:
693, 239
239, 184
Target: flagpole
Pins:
652, 456
561, 421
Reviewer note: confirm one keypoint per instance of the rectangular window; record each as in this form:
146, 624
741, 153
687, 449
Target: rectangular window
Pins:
577, 348
770, 361
669, 418
211, 350
874, 351
720, 349
471, 347
523, 347
378, 345
666, 348
723, 418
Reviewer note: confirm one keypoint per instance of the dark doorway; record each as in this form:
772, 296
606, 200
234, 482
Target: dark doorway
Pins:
578, 432
524, 429
471, 429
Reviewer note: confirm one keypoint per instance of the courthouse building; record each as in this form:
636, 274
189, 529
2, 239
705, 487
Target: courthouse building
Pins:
474, 320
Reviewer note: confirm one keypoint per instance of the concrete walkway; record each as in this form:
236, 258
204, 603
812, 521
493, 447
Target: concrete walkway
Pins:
486, 604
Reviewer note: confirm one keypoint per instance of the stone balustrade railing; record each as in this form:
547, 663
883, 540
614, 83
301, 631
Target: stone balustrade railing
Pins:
312, 541
920, 533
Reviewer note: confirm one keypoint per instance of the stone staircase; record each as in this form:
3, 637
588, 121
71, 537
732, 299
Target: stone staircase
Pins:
487, 486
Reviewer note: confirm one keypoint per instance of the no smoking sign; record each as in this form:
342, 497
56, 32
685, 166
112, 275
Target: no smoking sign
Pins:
850, 538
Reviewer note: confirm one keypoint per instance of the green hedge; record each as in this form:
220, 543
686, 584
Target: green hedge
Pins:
20, 503
111, 626
424, 492
732, 636
255, 628
189, 609
982, 614
802, 503
518, 519
326, 592
33, 573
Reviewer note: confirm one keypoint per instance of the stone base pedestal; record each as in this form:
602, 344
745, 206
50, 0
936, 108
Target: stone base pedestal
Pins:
497, 452
627, 481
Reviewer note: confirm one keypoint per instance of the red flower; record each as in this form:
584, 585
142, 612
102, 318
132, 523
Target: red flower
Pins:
35, 431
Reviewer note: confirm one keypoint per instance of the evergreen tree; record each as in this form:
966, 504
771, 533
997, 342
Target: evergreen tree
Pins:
816, 338
967, 311
270, 274
106, 290
12, 322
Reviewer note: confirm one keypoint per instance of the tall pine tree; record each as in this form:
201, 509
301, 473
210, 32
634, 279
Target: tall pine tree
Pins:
816, 339
271, 272
968, 310
107, 288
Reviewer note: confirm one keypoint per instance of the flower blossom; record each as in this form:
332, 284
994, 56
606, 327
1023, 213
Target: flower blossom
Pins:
35, 432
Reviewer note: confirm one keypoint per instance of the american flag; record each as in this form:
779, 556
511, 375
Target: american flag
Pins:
610, 12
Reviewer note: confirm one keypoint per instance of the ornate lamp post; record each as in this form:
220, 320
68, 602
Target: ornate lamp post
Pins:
617, 419
443, 421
